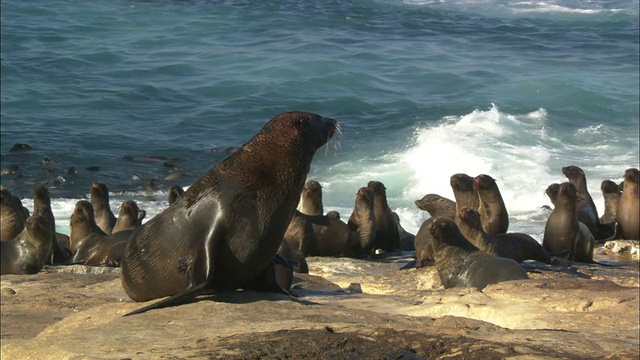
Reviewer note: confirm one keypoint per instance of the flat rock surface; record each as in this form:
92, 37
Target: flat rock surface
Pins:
345, 309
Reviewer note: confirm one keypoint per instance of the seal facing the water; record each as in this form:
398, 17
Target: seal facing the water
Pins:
227, 227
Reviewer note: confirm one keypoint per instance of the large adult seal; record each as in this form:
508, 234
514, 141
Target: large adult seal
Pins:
100, 202
628, 207
311, 199
586, 208
563, 231
437, 206
460, 264
13, 215
128, 217
387, 236
42, 200
90, 245
30, 250
227, 227
493, 212
516, 246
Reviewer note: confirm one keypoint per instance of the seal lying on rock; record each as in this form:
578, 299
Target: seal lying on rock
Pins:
460, 264
227, 227
90, 245
516, 246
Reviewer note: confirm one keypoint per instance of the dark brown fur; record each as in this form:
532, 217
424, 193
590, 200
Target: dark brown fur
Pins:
225, 230
563, 231
30, 250
12, 215
516, 246
437, 206
493, 212
90, 245
42, 199
585, 207
128, 217
460, 264
387, 236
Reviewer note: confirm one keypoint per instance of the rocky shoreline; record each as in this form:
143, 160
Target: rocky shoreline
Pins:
345, 309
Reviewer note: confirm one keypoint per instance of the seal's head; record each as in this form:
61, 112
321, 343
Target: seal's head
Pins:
99, 192
567, 194
609, 187
471, 217
552, 192
41, 196
631, 175
461, 183
484, 182
574, 174
82, 213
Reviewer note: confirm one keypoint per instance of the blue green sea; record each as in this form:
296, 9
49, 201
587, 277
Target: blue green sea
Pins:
421, 89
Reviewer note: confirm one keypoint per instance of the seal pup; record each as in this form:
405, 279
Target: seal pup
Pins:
516, 246
362, 222
100, 202
128, 217
587, 211
493, 212
387, 236
628, 212
311, 199
30, 250
90, 245
42, 200
12, 214
175, 192
611, 193
563, 231
460, 264
227, 227
437, 205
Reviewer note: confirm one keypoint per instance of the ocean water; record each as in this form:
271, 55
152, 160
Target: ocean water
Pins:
421, 89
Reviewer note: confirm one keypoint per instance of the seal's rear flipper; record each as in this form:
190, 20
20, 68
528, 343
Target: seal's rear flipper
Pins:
187, 296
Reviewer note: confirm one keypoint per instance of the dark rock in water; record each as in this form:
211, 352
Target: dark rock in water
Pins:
93, 168
20, 147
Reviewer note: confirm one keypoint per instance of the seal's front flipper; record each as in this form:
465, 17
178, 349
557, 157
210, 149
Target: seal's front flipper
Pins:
187, 296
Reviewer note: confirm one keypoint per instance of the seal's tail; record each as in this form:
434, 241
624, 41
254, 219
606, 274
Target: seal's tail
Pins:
182, 298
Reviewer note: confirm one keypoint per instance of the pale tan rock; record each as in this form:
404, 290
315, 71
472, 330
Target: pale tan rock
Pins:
346, 308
